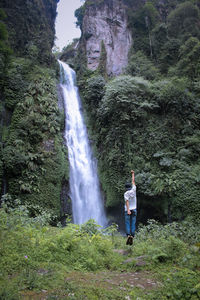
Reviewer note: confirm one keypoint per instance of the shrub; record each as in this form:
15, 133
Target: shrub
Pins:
140, 65
189, 62
179, 285
187, 230
35, 159
184, 19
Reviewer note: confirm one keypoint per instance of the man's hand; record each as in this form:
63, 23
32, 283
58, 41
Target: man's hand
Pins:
128, 212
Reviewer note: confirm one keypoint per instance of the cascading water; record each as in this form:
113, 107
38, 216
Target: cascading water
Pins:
84, 184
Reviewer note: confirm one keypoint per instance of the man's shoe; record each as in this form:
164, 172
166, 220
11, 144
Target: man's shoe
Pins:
129, 240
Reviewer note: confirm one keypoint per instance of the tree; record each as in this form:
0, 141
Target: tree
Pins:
79, 14
103, 60
189, 59
141, 65
142, 21
184, 21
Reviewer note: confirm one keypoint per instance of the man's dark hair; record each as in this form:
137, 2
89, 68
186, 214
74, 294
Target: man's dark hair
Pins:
128, 185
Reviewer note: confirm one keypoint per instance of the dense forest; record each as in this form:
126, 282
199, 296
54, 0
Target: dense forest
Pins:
33, 158
148, 118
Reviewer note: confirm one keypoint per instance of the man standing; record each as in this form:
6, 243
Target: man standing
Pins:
130, 209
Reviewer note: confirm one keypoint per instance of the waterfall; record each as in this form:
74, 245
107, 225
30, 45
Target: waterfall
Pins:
85, 192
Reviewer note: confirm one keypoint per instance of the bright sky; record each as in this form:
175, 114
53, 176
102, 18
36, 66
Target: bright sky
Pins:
66, 29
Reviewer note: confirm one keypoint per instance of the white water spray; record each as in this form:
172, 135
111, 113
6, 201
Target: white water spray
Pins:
84, 184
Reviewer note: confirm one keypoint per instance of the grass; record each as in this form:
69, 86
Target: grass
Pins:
82, 262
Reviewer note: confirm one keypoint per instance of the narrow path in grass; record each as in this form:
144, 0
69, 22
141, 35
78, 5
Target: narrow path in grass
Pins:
105, 284
121, 283
115, 279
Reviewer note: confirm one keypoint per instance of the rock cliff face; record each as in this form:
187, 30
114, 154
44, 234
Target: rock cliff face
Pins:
107, 22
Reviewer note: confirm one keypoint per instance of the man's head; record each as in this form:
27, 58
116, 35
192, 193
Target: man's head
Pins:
128, 186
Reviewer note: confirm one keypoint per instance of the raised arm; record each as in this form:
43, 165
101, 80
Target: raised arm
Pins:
133, 177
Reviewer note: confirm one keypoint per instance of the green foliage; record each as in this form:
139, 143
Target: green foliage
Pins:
144, 17
124, 94
15, 213
159, 37
142, 21
102, 60
14, 160
151, 14
5, 50
35, 161
94, 90
2, 14
169, 54
184, 20
79, 14
30, 31
151, 127
140, 65
8, 292
78, 247
179, 285
80, 65
189, 62
78, 261
16, 82
187, 231
90, 227
69, 52
32, 35
173, 97
159, 29
32, 52
162, 245
3, 32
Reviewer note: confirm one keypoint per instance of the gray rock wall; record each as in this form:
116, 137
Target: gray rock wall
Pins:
108, 23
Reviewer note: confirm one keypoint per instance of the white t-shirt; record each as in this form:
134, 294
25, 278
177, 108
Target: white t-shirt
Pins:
131, 197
